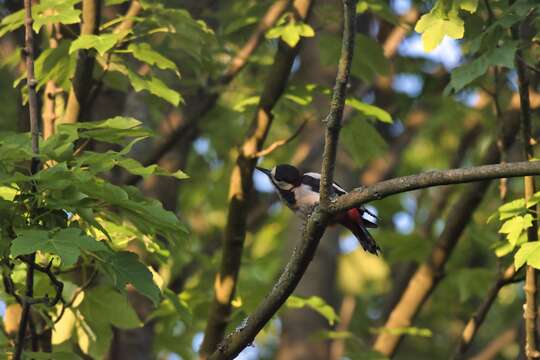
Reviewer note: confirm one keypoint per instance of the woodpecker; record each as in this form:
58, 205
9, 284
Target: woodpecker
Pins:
300, 192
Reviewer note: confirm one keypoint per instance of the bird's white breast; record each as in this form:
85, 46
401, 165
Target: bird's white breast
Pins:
305, 197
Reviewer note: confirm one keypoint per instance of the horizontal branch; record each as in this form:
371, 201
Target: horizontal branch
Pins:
402, 184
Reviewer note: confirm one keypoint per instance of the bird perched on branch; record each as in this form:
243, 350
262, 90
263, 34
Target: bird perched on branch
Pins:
300, 192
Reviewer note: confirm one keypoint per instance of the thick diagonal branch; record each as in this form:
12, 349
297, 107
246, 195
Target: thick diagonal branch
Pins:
239, 189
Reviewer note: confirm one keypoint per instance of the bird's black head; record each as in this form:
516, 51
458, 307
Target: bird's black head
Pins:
283, 176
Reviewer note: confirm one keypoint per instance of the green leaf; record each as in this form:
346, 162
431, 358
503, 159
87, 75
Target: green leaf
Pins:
55, 64
11, 22
514, 227
113, 130
317, 304
135, 167
15, 147
511, 209
370, 111
437, 24
290, 32
56, 11
28, 241
145, 53
504, 248
467, 5
372, 61
179, 305
528, 253
411, 330
379, 8
361, 140
125, 268
105, 304
102, 43
155, 86
500, 56
66, 243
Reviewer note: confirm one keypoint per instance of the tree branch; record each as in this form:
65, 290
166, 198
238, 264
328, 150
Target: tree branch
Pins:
81, 82
430, 272
267, 21
279, 143
239, 189
317, 221
334, 118
34, 131
476, 320
427, 179
530, 311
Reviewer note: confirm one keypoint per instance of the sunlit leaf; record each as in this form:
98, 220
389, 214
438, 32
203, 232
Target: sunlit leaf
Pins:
66, 243
528, 253
437, 24
370, 111
316, 303
102, 43
56, 11
144, 52
155, 86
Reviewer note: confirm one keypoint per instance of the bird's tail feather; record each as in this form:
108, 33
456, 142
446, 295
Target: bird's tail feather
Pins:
354, 221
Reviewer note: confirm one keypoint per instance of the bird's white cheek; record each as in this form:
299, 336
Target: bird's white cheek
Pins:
284, 185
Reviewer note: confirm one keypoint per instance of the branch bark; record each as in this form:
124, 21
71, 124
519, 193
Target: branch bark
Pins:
317, 221
530, 308
335, 116
81, 83
427, 179
34, 131
240, 187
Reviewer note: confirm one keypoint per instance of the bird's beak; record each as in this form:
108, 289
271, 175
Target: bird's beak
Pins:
263, 170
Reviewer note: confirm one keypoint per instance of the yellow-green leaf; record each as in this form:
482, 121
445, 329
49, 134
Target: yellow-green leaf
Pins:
435, 25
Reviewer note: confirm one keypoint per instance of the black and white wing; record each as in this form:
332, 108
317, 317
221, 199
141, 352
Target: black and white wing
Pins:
314, 180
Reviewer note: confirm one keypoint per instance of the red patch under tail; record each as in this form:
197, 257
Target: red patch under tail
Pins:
354, 221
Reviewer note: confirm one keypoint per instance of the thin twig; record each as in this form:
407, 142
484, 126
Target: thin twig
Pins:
279, 143
508, 276
242, 56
